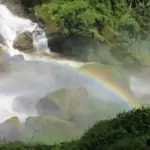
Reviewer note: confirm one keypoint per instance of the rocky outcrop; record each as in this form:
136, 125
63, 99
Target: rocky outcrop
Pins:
74, 46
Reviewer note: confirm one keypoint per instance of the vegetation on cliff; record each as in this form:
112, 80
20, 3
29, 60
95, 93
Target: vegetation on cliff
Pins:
120, 24
129, 130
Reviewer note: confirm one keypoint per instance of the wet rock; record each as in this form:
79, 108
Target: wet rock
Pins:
78, 106
69, 104
47, 107
68, 46
10, 130
64, 102
79, 47
50, 129
24, 42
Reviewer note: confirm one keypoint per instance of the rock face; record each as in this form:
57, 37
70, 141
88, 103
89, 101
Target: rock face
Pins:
68, 46
24, 42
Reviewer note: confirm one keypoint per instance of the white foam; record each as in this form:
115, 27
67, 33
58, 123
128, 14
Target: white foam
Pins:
12, 26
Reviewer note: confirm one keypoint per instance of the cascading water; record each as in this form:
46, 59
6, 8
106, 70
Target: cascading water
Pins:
12, 26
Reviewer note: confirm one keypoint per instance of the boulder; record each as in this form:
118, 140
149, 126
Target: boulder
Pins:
79, 106
66, 103
49, 129
46, 106
24, 42
11, 129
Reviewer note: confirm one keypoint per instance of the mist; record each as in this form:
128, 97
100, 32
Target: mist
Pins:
47, 97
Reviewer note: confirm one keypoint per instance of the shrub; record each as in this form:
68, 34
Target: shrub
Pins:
117, 133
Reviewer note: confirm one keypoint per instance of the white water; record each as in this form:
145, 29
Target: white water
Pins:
6, 111
12, 26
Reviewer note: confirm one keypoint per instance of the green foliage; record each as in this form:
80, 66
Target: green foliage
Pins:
128, 131
116, 23
105, 20
117, 134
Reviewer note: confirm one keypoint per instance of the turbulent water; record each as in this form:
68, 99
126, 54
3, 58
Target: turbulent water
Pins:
30, 81
12, 26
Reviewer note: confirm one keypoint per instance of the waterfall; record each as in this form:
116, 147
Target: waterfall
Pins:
12, 26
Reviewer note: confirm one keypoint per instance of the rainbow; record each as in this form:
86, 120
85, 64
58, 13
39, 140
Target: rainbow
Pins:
102, 79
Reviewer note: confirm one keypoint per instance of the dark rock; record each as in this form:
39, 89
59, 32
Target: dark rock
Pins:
72, 46
56, 41
30, 3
